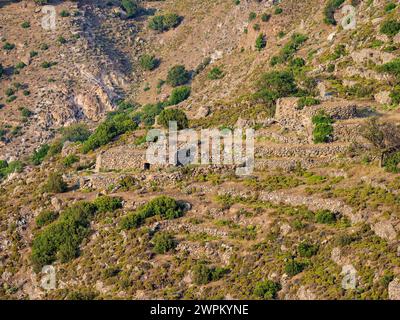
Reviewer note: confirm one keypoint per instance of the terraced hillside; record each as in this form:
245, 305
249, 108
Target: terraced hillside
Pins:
318, 218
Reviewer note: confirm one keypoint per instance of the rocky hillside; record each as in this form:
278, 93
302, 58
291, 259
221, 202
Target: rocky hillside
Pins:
318, 81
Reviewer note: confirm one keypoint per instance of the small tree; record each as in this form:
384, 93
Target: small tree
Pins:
177, 115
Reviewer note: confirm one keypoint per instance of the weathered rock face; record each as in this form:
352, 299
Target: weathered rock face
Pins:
394, 289
376, 56
385, 230
383, 97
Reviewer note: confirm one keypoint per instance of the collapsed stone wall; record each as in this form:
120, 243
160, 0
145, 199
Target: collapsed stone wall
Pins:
288, 115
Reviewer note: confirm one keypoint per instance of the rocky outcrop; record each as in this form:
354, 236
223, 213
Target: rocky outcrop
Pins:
394, 289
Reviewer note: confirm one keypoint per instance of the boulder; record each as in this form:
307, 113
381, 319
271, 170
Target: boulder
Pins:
394, 289
385, 230
383, 97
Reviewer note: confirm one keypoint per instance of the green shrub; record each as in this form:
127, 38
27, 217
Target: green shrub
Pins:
69, 160
278, 11
289, 49
390, 6
163, 242
293, 267
178, 95
112, 127
55, 184
203, 274
40, 154
391, 164
78, 132
261, 42
149, 62
178, 76
177, 115
252, 16
164, 22
46, 217
149, 113
307, 101
265, 17
107, 203
64, 13
267, 289
215, 73
276, 84
323, 129
61, 40
307, 250
330, 9
392, 67
9, 92
325, 217
62, 238
25, 112
9, 168
131, 7
163, 206
25, 25
8, 46
47, 64
390, 28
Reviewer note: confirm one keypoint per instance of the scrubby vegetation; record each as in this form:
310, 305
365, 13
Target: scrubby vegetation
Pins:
177, 115
114, 126
323, 129
61, 239
267, 289
164, 22
178, 76
162, 206
330, 9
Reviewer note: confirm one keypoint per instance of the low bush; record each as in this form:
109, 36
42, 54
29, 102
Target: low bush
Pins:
163, 242
107, 203
323, 129
178, 76
78, 132
203, 274
307, 250
177, 115
178, 95
164, 22
391, 164
9, 168
267, 289
112, 127
390, 28
55, 183
215, 73
307, 101
69, 160
293, 267
149, 62
62, 238
289, 49
325, 217
163, 206
46, 217
261, 42
149, 113
131, 7
40, 154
